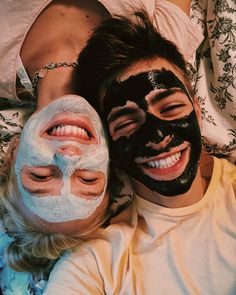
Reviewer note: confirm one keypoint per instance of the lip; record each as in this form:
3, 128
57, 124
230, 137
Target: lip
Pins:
180, 148
71, 119
166, 173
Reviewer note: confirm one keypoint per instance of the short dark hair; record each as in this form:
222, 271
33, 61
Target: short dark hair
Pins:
118, 43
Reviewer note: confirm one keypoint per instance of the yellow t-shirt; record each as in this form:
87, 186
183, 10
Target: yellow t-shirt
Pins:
156, 250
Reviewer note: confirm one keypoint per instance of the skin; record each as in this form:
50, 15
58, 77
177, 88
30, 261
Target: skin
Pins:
84, 183
70, 227
184, 5
73, 22
179, 106
44, 181
68, 23
75, 226
48, 180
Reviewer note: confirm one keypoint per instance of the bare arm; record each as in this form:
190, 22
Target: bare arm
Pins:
184, 5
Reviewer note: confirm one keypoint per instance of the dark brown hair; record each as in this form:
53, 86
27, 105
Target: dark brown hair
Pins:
118, 43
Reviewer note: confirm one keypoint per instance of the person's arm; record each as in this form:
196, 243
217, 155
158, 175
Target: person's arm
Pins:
75, 273
184, 5
171, 18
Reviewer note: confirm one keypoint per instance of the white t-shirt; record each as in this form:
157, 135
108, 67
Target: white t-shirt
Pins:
156, 250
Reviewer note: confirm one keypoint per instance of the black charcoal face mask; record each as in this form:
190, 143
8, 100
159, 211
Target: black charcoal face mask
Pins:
152, 129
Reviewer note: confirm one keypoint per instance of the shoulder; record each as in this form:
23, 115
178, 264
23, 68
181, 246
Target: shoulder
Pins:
16, 20
77, 272
227, 169
83, 266
224, 179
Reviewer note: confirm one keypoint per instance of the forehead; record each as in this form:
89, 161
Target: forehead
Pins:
147, 65
137, 68
141, 78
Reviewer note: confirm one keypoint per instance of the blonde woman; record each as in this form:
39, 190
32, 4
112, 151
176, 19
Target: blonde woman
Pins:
53, 189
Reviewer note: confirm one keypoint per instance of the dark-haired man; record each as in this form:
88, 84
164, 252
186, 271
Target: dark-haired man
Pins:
178, 237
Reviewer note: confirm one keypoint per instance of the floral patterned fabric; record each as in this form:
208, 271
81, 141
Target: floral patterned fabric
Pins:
215, 75
12, 282
12, 118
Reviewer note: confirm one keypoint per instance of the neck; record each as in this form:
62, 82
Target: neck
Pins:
60, 32
192, 196
55, 84
58, 35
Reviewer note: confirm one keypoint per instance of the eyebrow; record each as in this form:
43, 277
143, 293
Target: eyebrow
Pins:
159, 96
91, 194
121, 112
36, 191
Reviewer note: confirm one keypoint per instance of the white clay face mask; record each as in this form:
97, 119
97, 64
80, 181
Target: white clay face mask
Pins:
37, 151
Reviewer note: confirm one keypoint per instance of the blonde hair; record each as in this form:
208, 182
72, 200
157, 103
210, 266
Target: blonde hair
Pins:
33, 250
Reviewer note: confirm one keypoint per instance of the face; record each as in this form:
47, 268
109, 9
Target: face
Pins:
62, 162
154, 127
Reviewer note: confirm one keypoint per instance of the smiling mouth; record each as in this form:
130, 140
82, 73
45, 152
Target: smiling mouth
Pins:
165, 162
70, 127
69, 130
165, 167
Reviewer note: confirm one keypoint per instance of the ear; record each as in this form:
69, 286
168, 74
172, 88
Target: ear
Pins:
197, 111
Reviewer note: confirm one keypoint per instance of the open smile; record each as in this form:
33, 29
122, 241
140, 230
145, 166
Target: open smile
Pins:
165, 162
70, 127
166, 166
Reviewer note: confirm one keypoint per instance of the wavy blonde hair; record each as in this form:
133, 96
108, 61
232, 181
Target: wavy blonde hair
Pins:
33, 250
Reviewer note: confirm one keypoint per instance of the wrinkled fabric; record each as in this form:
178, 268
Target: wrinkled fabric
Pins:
150, 249
215, 75
18, 17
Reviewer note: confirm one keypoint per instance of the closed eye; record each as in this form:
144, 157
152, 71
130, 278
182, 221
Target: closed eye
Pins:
41, 178
171, 108
88, 180
88, 177
169, 105
88, 183
126, 124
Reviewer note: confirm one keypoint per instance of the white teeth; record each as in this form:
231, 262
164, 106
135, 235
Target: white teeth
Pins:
60, 130
68, 130
164, 163
81, 133
74, 130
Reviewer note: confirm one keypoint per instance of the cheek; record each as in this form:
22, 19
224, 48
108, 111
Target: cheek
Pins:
124, 150
81, 226
26, 182
87, 191
54, 186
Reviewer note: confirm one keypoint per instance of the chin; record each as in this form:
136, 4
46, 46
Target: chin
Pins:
171, 188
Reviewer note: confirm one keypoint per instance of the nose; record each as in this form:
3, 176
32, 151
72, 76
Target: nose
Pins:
69, 150
162, 144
